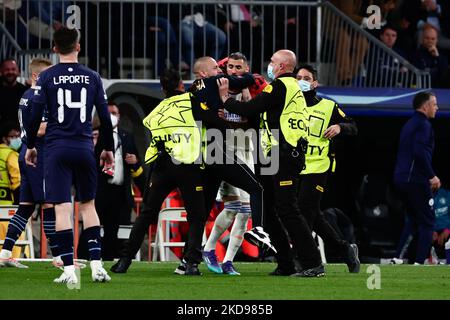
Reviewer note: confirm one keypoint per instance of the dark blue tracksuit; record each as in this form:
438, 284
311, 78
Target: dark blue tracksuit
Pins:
412, 175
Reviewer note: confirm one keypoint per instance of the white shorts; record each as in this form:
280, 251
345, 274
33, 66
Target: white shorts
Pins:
227, 189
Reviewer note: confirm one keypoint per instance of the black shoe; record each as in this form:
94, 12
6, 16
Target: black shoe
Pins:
351, 258
260, 238
181, 269
311, 273
192, 269
121, 266
282, 272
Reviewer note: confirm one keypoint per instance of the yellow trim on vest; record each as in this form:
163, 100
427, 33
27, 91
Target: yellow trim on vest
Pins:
268, 89
317, 159
293, 119
319, 188
286, 183
6, 192
137, 173
172, 125
199, 188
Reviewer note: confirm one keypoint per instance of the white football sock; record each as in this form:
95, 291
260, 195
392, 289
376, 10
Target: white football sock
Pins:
236, 235
223, 221
5, 254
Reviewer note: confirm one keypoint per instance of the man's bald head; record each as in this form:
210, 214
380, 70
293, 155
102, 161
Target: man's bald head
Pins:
282, 61
205, 67
288, 58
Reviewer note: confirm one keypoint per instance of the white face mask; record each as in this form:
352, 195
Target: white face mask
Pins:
305, 85
270, 72
114, 121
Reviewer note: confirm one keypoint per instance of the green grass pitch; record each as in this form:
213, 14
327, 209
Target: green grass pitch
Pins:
156, 281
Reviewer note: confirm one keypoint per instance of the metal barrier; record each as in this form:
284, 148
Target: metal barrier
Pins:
8, 46
351, 56
137, 39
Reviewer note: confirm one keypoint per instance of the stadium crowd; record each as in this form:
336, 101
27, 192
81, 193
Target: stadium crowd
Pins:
176, 34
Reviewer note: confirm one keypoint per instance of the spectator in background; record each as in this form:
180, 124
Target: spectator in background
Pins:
383, 70
244, 32
33, 22
388, 36
168, 48
45, 17
412, 15
10, 91
428, 57
114, 199
200, 28
350, 48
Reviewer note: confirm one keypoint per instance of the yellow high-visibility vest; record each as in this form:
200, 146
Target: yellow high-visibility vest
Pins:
293, 120
6, 194
317, 160
173, 125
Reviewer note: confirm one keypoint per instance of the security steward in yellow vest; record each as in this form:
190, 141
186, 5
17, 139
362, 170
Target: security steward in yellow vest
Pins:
9, 166
283, 107
175, 152
9, 173
326, 121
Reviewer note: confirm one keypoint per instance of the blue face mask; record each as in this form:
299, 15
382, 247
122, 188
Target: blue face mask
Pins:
270, 72
304, 85
15, 143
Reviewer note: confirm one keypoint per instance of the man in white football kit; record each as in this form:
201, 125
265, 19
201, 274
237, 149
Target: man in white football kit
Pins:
236, 201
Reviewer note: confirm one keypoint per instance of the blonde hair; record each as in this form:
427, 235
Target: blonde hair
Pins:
39, 64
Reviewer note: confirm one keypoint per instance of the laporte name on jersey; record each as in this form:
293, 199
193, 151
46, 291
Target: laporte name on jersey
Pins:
71, 79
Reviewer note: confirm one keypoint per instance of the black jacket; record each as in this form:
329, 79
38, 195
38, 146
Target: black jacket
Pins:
130, 171
270, 101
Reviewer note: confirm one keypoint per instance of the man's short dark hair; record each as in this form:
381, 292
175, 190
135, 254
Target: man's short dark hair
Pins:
386, 27
310, 68
7, 59
170, 79
66, 39
238, 56
6, 128
421, 98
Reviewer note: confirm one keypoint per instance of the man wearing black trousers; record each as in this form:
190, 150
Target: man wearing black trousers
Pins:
282, 106
327, 122
114, 200
174, 164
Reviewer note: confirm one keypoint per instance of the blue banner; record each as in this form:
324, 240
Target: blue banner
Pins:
382, 101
